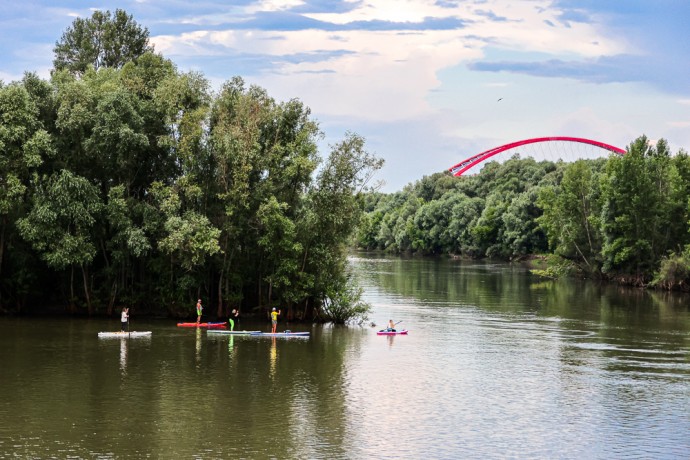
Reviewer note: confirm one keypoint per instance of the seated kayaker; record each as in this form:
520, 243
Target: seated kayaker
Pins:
391, 326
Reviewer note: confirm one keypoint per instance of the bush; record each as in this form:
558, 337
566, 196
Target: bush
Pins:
674, 272
345, 305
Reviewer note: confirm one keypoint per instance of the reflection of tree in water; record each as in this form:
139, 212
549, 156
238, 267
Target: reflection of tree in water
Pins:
503, 287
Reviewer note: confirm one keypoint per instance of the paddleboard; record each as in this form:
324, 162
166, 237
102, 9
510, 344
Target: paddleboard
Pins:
124, 335
220, 325
385, 332
280, 334
220, 331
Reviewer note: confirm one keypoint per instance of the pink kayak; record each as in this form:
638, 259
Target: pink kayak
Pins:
387, 332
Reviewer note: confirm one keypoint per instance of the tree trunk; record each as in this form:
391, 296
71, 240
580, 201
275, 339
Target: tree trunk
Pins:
2, 241
72, 307
270, 292
86, 290
111, 301
219, 311
2, 249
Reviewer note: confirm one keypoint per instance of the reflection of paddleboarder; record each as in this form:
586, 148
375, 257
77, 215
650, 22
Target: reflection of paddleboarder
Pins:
199, 309
274, 320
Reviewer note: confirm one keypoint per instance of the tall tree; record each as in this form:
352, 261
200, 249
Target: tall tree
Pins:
59, 225
334, 210
572, 212
23, 145
103, 40
641, 198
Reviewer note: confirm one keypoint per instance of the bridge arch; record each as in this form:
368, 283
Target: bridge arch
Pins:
462, 167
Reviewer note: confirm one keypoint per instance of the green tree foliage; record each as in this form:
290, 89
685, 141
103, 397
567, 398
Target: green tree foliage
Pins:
491, 215
571, 215
133, 174
24, 144
642, 202
103, 40
60, 222
334, 208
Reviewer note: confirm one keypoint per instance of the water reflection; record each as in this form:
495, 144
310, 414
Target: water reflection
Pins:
273, 356
198, 346
391, 339
496, 366
231, 346
124, 344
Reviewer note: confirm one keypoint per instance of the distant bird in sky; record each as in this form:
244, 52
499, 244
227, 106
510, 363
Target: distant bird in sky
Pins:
499, 99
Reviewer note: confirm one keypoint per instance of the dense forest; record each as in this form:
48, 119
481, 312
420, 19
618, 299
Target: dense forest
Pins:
124, 181
622, 218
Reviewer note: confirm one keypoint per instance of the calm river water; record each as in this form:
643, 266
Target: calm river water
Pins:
497, 364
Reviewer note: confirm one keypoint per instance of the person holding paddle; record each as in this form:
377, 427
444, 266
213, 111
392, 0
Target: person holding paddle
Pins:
391, 326
199, 309
274, 320
124, 319
231, 320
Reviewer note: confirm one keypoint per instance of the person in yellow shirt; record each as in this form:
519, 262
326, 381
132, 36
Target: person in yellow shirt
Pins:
274, 320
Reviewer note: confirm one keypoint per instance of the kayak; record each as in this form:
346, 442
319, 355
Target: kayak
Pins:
385, 332
280, 334
124, 335
217, 325
217, 331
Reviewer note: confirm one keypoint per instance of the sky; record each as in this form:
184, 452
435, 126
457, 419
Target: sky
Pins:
427, 83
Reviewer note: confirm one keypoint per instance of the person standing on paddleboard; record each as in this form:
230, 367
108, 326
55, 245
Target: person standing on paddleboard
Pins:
274, 320
124, 319
234, 315
199, 309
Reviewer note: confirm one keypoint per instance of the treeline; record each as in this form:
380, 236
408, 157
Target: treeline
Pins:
622, 218
124, 181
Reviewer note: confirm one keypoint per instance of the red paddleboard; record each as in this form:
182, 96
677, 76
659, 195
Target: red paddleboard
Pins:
210, 325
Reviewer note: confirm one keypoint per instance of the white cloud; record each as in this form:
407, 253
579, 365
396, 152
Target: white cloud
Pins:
388, 74
386, 10
273, 5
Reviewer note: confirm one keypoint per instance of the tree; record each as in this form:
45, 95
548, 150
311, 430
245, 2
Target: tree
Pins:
334, 209
23, 145
642, 196
63, 212
264, 155
571, 215
104, 40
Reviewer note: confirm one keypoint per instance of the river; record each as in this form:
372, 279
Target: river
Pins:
497, 364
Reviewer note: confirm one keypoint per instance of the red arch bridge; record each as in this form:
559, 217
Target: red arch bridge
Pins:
552, 148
